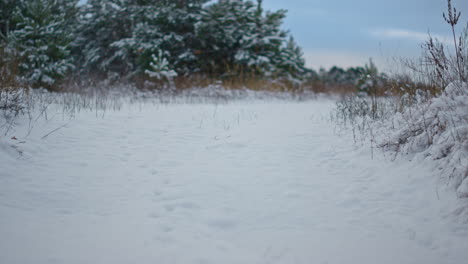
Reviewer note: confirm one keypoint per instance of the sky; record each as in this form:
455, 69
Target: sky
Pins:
350, 32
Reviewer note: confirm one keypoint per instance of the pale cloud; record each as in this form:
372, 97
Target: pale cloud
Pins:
392, 33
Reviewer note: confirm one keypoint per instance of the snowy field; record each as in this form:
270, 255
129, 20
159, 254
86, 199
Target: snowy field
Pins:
245, 182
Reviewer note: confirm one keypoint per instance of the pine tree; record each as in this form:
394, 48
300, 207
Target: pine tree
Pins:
7, 21
291, 63
224, 27
167, 26
176, 20
240, 37
121, 37
371, 79
42, 39
102, 23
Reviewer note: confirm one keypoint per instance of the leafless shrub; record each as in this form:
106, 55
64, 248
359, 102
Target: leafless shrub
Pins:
440, 63
12, 94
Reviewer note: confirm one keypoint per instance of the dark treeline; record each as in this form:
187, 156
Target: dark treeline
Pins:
46, 43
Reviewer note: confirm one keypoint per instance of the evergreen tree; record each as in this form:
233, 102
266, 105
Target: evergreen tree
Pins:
102, 23
225, 27
126, 34
42, 39
7, 21
8, 54
128, 39
371, 80
291, 63
176, 20
239, 37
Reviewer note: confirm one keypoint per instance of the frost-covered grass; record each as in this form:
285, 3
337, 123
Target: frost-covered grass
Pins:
13, 103
430, 127
34, 105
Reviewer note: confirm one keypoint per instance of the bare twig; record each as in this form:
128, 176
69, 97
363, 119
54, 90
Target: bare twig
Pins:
53, 131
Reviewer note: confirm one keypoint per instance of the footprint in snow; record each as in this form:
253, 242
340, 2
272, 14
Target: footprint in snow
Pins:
167, 228
154, 215
222, 223
181, 205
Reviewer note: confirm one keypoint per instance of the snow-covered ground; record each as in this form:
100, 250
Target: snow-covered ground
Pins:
244, 182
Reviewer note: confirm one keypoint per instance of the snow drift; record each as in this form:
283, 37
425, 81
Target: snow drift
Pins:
436, 129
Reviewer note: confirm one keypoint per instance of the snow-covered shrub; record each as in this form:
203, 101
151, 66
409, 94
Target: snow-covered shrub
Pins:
12, 95
160, 68
160, 71
419, 124
13, 102
437, 129
442, 64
